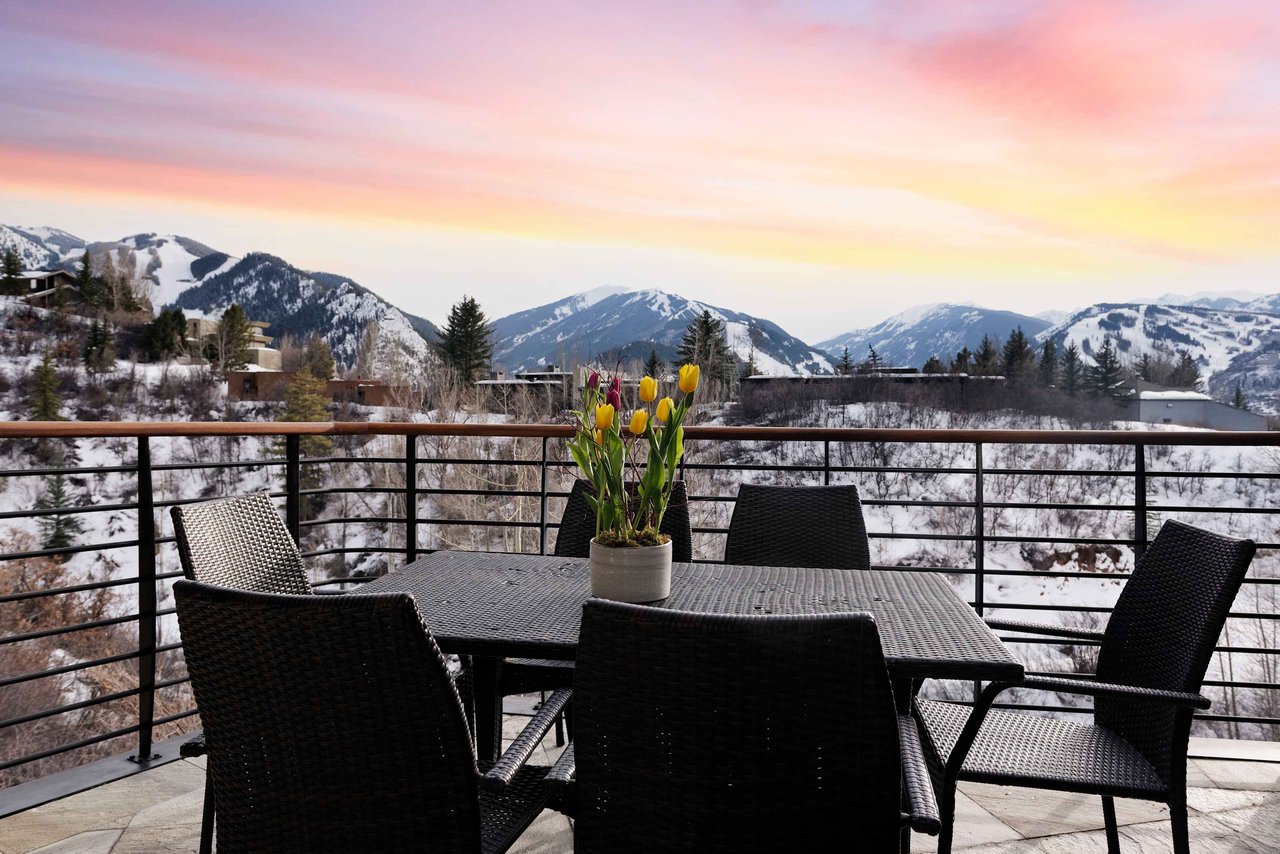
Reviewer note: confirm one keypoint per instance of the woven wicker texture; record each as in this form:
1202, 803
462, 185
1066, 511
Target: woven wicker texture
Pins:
239, 542
709, 733
1163, 630
798, 526
530, 606
1016, 749
578, 524
332, 725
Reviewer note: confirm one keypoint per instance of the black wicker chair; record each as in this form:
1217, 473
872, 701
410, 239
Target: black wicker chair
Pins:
1151, 664
813, 526
573, 539
712, 732
332, 725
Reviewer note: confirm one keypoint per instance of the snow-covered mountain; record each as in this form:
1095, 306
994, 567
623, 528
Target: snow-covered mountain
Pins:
178, 271
613, 323
943, 329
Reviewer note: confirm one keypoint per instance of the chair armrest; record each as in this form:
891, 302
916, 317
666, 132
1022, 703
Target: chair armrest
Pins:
561, 775
1044, 629
504, 770
1091, 688
194, 746
921, 801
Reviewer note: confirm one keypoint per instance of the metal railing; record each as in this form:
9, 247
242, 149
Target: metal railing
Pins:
817, 455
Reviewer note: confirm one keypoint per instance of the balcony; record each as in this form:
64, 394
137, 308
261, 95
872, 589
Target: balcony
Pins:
1043, 525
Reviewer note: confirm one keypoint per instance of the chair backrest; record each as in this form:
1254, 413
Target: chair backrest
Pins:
816, 526
1163, 630
239, 542
578, 524
715, 732
331, 723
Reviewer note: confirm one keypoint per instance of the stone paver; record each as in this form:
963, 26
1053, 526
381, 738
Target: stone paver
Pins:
1235, 809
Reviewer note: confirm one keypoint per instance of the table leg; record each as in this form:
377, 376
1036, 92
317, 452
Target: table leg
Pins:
488, 699
904, 691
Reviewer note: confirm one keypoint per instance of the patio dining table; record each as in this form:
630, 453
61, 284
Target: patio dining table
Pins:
493, 606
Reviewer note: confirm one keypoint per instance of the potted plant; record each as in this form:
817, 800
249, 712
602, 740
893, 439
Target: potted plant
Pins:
631, 470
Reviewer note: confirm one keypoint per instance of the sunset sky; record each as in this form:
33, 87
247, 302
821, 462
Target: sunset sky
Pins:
820, 164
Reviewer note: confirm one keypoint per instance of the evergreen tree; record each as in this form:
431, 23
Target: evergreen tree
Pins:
704, 344
1017, 359
986, 362
305, 400
654, 367
874, 362
934, 366
317, 359
749, 367
963, 362
99, 351
1048, 364
43, 396
1186, 374
10, 268
230, 344
90, 286
58, 531
844, 367
1146, 369
466, 343
166, 336
1072, 369
1238, 400
1107, 371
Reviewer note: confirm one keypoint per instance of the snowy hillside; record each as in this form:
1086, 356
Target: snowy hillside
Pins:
613, 323
941, 330
299, 304
39, 247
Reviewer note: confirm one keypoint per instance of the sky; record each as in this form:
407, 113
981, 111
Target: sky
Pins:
821, 164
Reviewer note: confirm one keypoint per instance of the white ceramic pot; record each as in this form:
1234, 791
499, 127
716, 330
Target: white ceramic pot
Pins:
631, 574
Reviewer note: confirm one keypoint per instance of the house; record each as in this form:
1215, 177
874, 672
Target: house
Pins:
1152, 404
261, 354
48, 288
272, 384
556, 384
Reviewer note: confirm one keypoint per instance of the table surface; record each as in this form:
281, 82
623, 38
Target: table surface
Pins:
512, 605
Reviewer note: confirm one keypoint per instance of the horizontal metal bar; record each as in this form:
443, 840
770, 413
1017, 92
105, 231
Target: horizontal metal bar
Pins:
70, 707
66, 748
356, 550
70, 550
63, 630
60, 591
68, 668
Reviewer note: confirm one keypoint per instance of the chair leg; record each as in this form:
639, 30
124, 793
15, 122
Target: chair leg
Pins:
206, 821
947, 812
1178, 822
1113, 832
560, 730
904, 847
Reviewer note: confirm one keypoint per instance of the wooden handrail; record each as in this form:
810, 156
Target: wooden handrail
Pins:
101, 429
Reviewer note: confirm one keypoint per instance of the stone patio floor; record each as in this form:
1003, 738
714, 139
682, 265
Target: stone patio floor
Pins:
1235, 809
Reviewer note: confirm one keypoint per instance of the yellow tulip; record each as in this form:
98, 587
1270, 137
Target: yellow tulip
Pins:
648, 389
604, 416
663, 412
639, 420
689, 378
599, 436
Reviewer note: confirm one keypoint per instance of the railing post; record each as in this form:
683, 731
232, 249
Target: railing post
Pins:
146, 604
1139, 499
542, 499
411, 497
826, 462
293, 485
979, 532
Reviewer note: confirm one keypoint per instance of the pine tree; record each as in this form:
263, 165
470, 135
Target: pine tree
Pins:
704, 344
1238, 400
99, 351
1048, 364
845, 366
986, 362
10, 269
43, 396
90, 286
231, 342
466, 342
654, 367
1186, 374
749, 367
934, 366
1017, 359
963, 362
1072, 369
873, 359
305, 400
57, 531
166, 336
317, 358
1107, 371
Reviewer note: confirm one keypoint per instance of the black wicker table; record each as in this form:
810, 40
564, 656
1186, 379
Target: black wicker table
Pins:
494, 606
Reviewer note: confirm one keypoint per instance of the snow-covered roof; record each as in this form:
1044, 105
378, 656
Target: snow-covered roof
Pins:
1173, 395
40, 274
